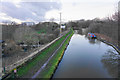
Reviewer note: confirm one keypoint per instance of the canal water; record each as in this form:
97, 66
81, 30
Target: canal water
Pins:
88, 58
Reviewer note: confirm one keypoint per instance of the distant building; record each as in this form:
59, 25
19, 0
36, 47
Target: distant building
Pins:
63, 26
27, 23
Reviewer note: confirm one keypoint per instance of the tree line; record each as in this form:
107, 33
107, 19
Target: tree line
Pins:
108, 26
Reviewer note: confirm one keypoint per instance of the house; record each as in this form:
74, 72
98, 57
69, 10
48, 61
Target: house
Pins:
27, 23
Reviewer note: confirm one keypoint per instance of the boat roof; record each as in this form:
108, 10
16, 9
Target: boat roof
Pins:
90, 33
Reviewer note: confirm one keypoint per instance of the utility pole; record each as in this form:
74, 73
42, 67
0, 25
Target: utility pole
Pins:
60, 23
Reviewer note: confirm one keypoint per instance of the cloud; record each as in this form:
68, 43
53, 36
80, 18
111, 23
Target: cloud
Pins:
87, 9
5, 18
29, 11
41, 10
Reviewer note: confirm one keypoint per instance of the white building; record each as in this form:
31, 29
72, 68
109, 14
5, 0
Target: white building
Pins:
63, 26
27, 23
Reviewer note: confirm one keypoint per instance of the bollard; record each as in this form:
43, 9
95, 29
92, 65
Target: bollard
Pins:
15, 73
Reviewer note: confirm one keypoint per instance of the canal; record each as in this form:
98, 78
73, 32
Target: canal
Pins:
88, 58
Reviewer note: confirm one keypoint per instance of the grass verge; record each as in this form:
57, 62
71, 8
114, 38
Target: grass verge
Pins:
52, 66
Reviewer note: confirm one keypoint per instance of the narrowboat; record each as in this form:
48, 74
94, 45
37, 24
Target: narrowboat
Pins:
91, 35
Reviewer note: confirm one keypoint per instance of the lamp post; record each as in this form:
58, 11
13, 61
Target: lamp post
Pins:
60, 23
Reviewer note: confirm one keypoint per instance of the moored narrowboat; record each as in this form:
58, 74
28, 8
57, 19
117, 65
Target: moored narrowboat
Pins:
91, 35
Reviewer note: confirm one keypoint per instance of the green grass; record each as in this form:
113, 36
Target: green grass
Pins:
23, 70
41, 31
47, 73
30, 64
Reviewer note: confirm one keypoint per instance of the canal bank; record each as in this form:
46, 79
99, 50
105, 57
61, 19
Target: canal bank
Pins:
59, 57
49, 70
86, 58
28, 69
115, 47
108, 41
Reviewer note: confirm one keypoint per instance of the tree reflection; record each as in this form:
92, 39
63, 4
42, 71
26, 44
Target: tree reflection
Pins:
110, 60
80, 32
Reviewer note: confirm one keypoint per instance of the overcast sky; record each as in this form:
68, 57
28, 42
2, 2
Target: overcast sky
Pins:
43, 10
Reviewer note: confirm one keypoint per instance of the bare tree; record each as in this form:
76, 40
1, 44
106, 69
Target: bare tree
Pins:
26, 35
116, 16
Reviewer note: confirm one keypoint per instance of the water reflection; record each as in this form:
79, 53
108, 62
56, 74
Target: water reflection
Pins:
82, 58
110, 59
80, 32
110, 62
92, 41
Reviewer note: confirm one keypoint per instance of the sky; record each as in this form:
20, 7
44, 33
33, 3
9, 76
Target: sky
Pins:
43, 10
